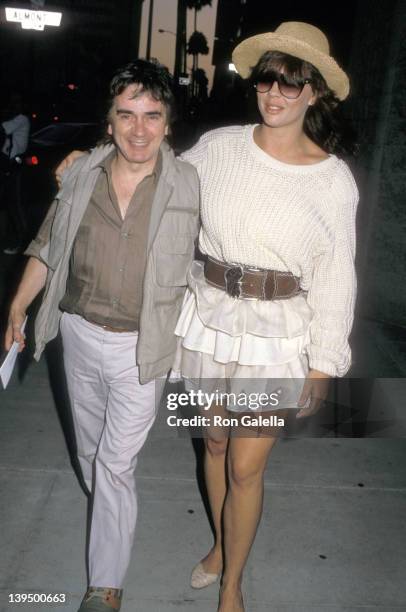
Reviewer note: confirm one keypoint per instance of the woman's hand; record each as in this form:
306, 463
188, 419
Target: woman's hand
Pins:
66, 163
315, 390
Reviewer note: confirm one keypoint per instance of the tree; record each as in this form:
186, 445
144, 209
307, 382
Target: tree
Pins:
197, 5
197, 45
202, 83
180, 58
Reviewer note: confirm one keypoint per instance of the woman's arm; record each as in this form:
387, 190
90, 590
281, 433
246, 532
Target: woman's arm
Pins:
66, 163
333, 288
332, 297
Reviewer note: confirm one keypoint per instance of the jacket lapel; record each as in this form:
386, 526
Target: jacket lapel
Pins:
163, 192
82, 186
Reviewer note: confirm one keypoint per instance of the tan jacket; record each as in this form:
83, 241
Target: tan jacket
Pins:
173, 229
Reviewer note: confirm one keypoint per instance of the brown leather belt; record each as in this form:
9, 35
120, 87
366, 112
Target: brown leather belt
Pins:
251, 283
115, 330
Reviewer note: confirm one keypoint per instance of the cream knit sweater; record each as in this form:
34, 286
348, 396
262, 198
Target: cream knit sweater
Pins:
261, 212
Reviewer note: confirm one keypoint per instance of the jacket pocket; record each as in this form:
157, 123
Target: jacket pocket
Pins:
174, 256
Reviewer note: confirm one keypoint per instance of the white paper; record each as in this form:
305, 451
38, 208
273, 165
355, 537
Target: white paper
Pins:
8, 364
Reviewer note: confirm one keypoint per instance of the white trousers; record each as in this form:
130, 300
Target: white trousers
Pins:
112, 414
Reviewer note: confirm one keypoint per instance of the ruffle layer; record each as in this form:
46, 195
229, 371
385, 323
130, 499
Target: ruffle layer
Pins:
202, 373
248, 332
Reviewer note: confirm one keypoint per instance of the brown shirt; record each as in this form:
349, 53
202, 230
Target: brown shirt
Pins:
109, 255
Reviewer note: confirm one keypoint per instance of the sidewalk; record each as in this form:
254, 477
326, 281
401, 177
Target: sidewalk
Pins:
332, 537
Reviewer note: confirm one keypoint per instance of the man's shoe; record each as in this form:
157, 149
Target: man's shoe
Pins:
101, 599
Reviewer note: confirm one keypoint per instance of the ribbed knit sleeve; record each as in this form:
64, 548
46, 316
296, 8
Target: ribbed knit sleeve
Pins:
198, 153
332, 291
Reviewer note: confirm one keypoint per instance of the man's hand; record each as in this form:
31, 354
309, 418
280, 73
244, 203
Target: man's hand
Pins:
315, 390
66, 163
13, 332
32, 282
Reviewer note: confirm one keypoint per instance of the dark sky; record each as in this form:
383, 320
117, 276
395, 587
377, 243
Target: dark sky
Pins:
334, 19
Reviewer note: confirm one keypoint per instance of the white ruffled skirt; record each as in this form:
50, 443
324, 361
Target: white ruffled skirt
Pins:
241, 346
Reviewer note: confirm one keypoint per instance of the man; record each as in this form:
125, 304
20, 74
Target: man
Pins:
113, 254
16, 130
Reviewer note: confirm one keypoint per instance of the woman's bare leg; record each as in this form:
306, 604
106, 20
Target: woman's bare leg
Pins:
247, 458
216, 442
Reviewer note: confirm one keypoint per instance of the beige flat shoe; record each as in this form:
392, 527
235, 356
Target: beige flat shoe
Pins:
201, 579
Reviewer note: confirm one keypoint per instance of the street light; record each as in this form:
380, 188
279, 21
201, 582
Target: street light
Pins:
150, 18
166, 32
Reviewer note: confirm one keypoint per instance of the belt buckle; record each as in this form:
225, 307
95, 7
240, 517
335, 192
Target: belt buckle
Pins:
232, 278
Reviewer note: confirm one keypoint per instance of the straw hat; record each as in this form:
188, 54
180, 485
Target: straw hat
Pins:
301, 40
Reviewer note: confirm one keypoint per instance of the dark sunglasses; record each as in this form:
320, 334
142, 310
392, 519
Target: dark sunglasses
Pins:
289, 88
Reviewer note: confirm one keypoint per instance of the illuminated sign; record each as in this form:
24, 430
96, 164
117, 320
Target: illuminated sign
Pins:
33, 20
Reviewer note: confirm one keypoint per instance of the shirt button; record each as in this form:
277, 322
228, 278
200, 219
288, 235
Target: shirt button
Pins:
114, 301
125, 234
121, 269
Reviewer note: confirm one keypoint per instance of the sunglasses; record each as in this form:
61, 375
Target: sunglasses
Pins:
289, 88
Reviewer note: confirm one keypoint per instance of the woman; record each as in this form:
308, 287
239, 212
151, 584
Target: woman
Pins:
275, 298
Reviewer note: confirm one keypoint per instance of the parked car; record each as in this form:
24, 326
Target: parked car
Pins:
47, 147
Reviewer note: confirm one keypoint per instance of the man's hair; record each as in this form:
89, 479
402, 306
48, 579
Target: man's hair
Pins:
151, 77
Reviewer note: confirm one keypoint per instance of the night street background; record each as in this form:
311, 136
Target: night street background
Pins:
333, 536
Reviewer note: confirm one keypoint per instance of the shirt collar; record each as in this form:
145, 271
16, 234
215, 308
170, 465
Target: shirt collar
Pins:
105, 165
